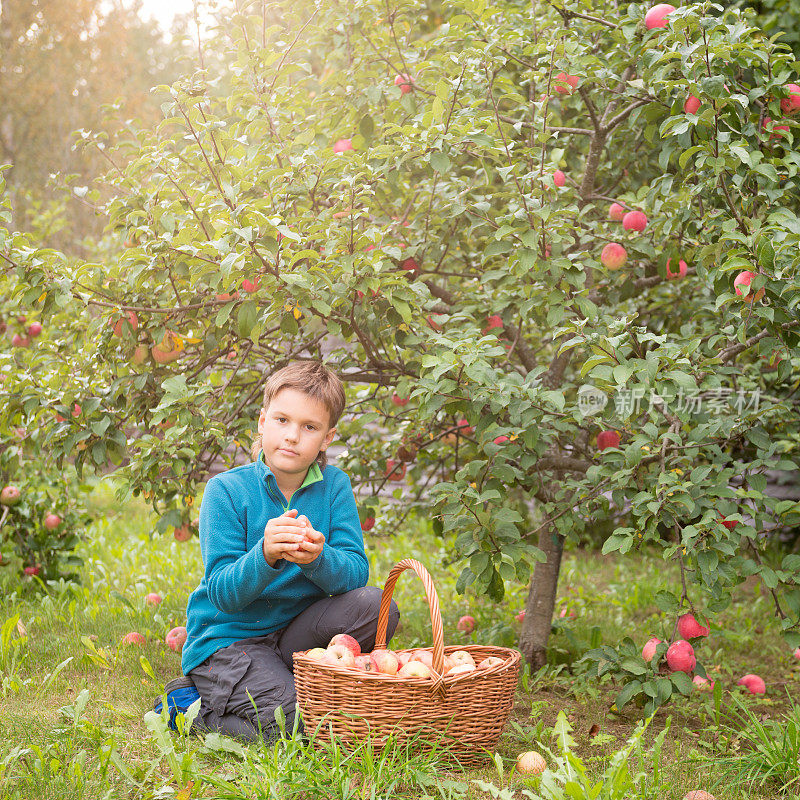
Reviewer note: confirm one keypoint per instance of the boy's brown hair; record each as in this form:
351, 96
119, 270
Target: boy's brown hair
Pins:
314, 379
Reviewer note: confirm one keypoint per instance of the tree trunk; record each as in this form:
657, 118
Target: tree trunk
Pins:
541, 600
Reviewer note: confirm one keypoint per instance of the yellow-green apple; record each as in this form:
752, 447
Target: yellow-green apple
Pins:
607, 439
384, 661
656, 17
133, 638
368, 524
127, 320
790, 104
466, 624
405, 82
703, 684
152, 599
634, 221
613, 256
744, 279
680, 656
10, 495
414, 669
34, 329
692, 104
681, 272
395, 471
139, 354
342, 145
460, 657
566, 84
559, 178
346, 640
753, 683
616, 212
461, 669
316, 653
649, 649
690, 628
491, 661
176, 638
531, 763
52, 521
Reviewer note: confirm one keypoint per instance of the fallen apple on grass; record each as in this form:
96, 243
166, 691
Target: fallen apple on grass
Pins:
531, 763
698, 794
52, 521
466, 624
703, 684
753, 683
133, 638
176, 638
152, 599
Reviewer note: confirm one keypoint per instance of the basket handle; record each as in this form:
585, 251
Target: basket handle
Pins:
433, 605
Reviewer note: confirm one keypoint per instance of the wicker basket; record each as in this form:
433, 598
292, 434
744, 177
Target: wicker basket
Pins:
461, 716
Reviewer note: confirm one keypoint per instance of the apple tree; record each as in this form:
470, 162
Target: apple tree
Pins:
550, 248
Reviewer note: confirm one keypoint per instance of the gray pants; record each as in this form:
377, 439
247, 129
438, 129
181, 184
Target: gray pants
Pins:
262, 665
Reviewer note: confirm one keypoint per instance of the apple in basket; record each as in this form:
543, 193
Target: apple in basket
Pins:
384, 661
491, 661
461, 669
364, 663
460, 657
339, 656
404, 656
424, 656
347, 641
316, 653
414, 669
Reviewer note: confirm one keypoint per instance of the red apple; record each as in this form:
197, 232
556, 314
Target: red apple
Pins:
790, 104
399, 401
52, 521
500, 439
251, 286
342, 145
566, 84
152, 599
613, 256
183, 533
34, 329
384, 661
464, 428
690, 628
76, 410
656, 17
368, 524
649, 649
796, 654
176, 638
680, 656
753, 683
466, 624
565, 613
744, 279
634, 221
703, 684
414, 669
395, 471
167, 350
362, 663
425, 656
520, 615
691, 105
19, 341
495, 321
681, 273
768, 125
133, 638
405, 82
411, 265
559, 178
531, 763
730, 524
346, 640
31, 571
616, 212
607, 439
10, 495
127, 320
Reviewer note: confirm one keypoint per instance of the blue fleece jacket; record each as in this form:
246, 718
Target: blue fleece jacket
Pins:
240, 595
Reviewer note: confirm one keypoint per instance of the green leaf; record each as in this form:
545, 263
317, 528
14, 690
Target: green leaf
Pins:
439, 161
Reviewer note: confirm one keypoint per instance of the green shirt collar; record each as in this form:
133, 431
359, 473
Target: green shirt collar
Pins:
313, 475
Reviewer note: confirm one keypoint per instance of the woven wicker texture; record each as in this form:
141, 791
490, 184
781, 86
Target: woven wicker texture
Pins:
463, 715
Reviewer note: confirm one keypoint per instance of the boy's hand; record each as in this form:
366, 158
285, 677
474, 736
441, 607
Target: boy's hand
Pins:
311, 546
283, 537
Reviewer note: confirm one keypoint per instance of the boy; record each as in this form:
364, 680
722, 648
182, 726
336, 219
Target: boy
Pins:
285, 567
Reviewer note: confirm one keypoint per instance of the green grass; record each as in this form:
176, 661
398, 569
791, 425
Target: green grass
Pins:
73, 700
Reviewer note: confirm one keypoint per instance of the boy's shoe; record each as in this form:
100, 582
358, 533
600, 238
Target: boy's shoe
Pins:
181, 693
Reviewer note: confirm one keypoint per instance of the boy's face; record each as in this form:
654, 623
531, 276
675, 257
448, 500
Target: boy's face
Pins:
293, 428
